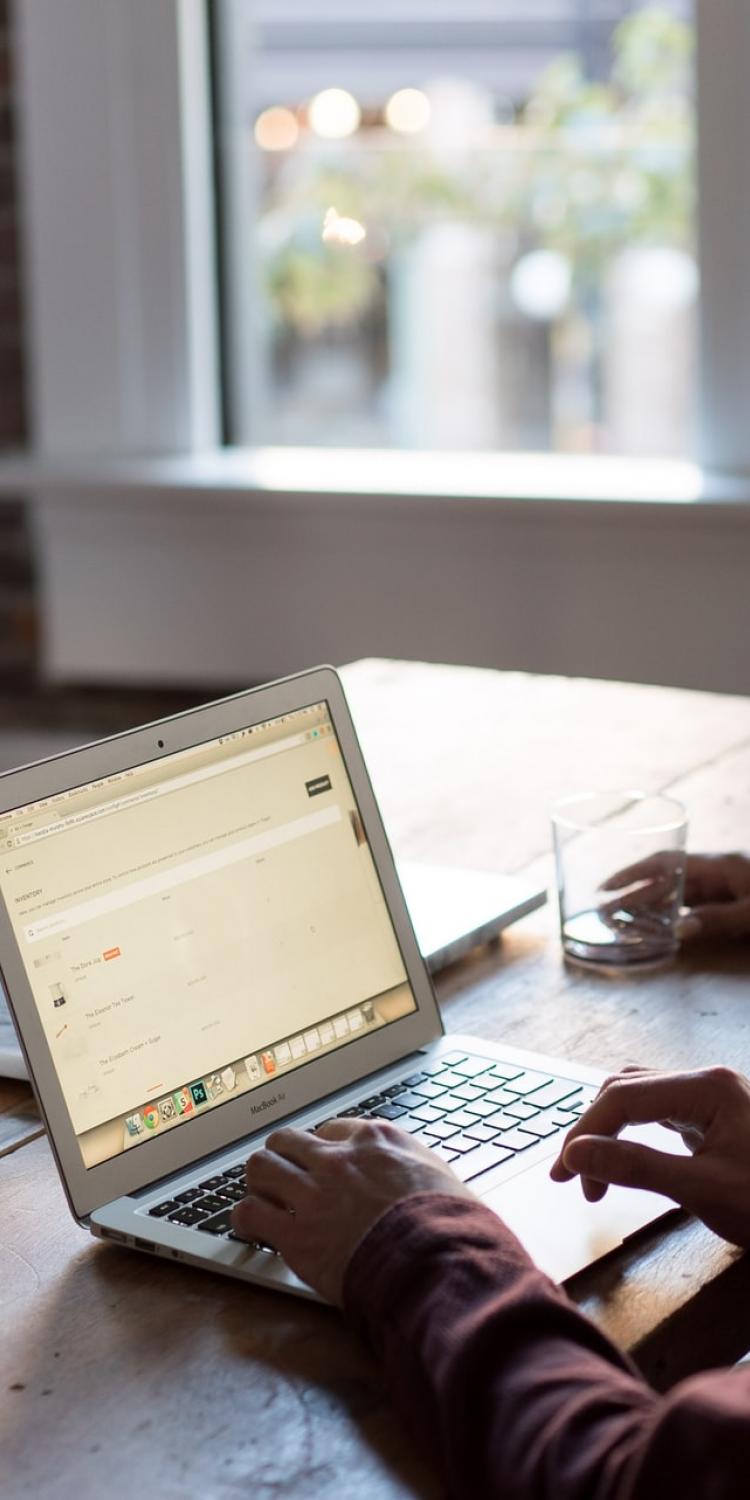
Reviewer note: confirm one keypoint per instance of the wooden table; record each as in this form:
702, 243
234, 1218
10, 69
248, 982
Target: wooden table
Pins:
122, 1374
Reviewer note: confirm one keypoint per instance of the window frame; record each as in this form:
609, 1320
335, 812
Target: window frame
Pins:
117, 199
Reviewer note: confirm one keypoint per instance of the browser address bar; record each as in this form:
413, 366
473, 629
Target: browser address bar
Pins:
173, 784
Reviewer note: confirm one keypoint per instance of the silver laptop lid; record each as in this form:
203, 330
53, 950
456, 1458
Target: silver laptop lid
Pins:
202, 931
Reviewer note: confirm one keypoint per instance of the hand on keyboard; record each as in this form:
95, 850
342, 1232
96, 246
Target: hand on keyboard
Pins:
315, 1196
476, 1113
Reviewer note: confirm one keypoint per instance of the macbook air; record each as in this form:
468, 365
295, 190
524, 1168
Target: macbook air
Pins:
456, 910
203, 934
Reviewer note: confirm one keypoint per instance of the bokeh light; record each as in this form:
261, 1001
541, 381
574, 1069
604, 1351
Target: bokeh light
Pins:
340, 230
334, 114
541, 283
408, 111
277, 129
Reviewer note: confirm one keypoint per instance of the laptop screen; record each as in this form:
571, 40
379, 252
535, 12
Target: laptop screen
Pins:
197, 925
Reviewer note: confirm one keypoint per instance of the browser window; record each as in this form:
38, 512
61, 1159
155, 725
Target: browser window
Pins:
194, 926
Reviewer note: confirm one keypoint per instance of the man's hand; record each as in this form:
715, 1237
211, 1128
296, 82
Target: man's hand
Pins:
717, 892
711, 1111
313, 1196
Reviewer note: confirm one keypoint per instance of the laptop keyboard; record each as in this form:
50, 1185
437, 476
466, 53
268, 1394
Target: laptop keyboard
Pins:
473, 1112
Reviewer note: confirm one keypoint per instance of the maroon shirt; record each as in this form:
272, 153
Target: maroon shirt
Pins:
516, 1392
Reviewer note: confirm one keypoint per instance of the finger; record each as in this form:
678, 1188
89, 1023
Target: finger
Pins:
687, 928
718, 919
629, 905
255, 1219
299, 1146
633, 896
705, 875
629, 1165
341, 1130
274, 1178
593, 1191
689, 1133
641, 1099
627, 1072
655, 867
708, 879
558, 1172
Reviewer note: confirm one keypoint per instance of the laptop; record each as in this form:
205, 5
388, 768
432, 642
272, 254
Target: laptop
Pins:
454, 911
203, 934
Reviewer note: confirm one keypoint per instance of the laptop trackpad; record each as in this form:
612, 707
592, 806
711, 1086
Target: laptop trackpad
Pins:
560, 1229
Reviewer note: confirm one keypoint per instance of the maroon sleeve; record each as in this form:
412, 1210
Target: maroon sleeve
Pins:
515, 1392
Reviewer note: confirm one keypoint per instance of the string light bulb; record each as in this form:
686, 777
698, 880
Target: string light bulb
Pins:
408, 111
334, 114
276, 129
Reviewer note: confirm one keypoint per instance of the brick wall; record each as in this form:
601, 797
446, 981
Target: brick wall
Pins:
17, 601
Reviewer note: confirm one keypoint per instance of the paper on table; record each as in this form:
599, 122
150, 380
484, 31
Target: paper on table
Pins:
12, 1064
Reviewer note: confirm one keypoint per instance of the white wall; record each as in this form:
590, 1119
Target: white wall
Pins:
181, 589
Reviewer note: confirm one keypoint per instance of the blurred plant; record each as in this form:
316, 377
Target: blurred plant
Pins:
586, 169
392, 191
608, 164
325, 288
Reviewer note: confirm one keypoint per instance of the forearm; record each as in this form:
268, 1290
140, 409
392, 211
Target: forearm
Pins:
517, 1393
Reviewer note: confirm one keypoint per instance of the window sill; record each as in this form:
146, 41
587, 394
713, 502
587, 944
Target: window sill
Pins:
297, 557
503, 478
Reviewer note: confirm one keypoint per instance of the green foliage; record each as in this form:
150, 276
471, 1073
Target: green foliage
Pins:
612, 163
654, 56
313, 292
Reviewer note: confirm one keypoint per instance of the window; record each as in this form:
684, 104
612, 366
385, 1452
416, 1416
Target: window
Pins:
461, 226
132, 481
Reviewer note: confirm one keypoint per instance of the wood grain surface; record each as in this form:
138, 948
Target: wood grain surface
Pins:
120, 1373
19, 1117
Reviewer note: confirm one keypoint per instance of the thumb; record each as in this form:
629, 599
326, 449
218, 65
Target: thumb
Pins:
730, 919
626, 1164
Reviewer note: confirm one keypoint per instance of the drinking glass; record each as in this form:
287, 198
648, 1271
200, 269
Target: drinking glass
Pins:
620, 864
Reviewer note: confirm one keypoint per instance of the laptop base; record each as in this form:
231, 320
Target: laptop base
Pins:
455, 910
561, 1231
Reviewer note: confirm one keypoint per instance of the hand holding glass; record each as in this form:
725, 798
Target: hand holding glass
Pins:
620, 862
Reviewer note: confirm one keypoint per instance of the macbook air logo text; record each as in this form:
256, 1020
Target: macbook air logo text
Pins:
257, 1109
